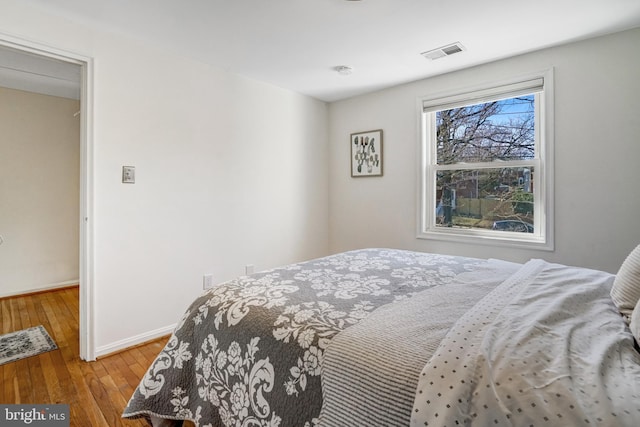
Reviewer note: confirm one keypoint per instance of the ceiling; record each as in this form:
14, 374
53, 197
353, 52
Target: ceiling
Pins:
296, 44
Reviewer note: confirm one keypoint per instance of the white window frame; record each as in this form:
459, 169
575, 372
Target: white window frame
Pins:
540, 83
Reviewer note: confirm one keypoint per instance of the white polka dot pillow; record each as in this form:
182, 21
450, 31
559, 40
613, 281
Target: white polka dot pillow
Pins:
625, 292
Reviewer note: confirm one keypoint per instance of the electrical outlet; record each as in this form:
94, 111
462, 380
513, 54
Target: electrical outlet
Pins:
207, 281
128, 174
248, 269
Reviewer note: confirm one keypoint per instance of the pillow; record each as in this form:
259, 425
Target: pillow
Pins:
635, 323
625, 292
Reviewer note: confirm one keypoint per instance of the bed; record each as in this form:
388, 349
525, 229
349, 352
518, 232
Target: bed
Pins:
385, 337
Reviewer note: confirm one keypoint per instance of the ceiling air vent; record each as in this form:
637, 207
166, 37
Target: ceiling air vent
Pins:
443, 51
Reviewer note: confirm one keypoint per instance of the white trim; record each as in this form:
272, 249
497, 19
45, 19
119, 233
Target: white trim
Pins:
134, 341
543, 238
87, 301
49, 287
547, 109
86, 327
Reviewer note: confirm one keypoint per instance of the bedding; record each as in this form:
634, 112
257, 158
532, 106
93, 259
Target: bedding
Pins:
352, 339
376, 387
546, 347
250, 351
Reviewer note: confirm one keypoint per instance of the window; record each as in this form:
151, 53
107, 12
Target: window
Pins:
486, 164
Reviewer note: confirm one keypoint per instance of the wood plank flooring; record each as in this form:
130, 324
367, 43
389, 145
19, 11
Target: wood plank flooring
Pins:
97, 392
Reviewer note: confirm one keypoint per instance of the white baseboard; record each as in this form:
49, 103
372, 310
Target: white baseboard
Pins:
134, 341
49, 287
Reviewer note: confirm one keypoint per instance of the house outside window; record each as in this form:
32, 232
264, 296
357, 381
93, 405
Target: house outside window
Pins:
486, 164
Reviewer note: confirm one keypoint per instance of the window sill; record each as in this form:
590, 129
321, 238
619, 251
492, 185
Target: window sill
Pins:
488, 237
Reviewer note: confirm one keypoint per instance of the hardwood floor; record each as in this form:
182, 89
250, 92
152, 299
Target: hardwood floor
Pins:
96, 392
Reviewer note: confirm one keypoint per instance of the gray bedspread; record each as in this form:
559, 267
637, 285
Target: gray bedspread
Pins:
250, 351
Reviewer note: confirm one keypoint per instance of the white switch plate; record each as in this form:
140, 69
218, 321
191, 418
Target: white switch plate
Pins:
129, 174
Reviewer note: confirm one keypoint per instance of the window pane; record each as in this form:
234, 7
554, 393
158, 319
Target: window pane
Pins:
497, 130
496, 198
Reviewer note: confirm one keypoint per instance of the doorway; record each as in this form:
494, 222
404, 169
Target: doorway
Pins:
47, 70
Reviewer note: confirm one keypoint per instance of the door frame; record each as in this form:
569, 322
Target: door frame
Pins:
86, 244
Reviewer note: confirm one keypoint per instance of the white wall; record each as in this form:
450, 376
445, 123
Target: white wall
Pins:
597, 197
229, 172
39, 191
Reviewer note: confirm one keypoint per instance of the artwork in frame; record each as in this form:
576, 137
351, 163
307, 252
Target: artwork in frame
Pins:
366, 153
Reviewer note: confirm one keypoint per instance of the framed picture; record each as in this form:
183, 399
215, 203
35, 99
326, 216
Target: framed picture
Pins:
366, 153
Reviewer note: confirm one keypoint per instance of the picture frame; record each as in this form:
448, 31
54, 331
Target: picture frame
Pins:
366, 153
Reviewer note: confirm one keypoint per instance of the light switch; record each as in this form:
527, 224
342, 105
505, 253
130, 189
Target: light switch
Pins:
129, 174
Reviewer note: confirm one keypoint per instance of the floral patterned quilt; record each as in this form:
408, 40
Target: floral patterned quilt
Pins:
249, 352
